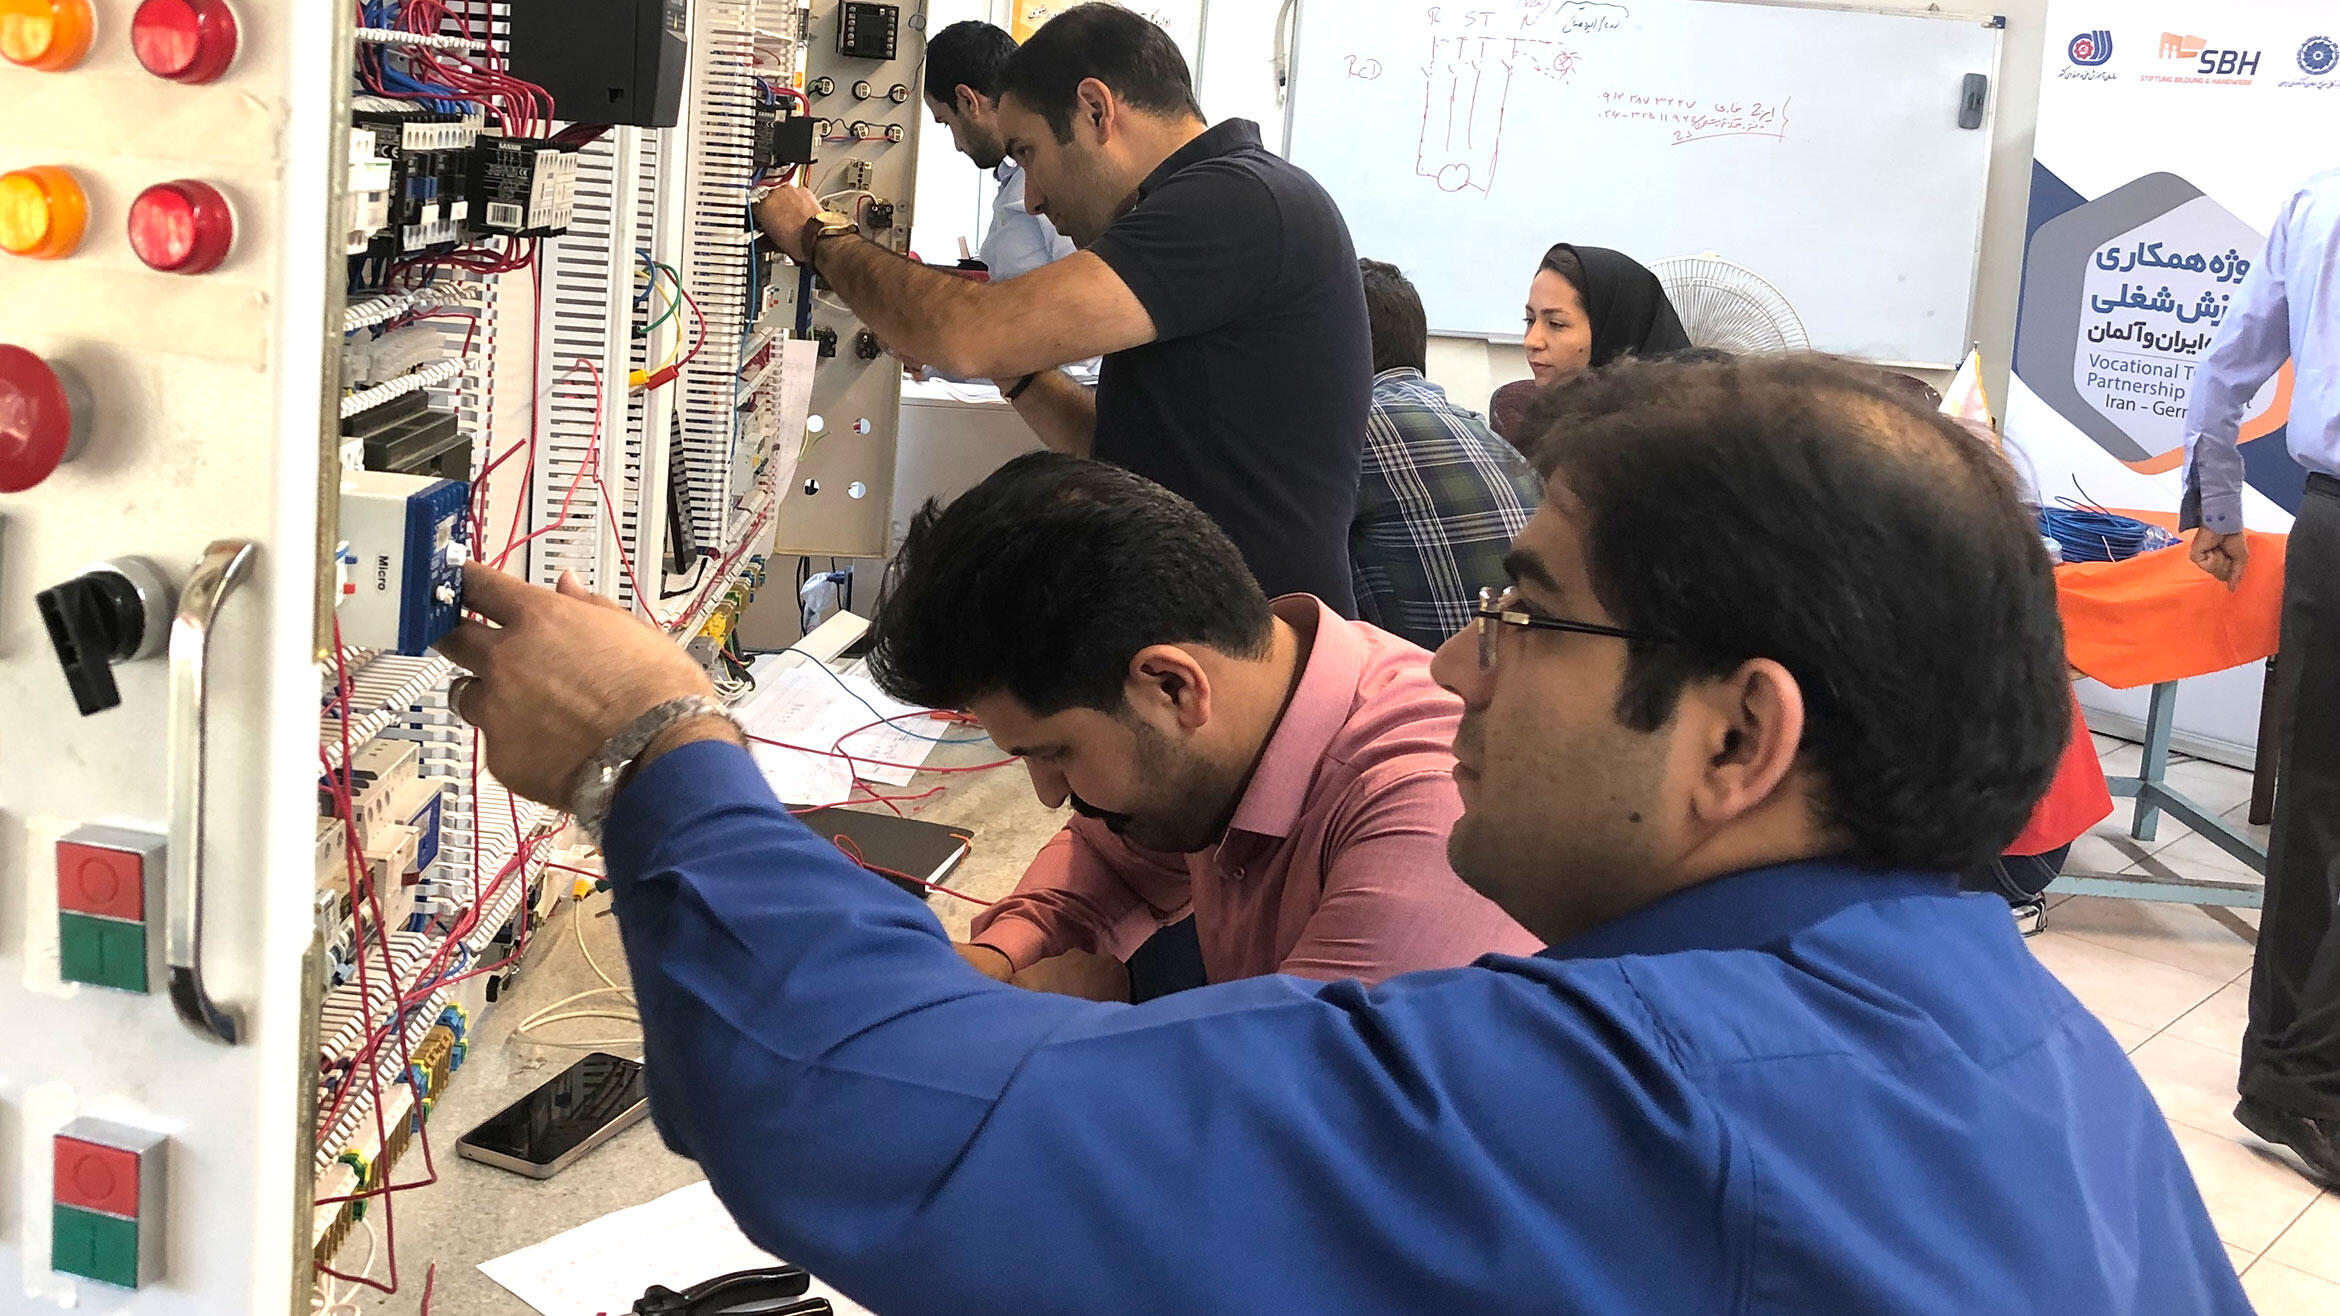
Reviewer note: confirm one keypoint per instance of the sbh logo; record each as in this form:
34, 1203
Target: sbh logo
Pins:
2228, 63
2090, 49
2215, 63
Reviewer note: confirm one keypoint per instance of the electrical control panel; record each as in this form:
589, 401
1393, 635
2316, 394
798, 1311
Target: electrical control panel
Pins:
171, 265
863, 63
373, 306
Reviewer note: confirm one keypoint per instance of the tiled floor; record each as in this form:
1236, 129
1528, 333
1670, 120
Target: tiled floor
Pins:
2172, 983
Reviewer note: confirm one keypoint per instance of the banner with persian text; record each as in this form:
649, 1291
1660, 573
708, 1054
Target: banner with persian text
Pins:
2170, 133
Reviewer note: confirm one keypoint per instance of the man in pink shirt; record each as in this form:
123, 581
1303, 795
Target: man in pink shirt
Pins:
1276, 772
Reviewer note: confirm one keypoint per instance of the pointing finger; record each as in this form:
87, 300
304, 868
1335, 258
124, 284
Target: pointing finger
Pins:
494, 595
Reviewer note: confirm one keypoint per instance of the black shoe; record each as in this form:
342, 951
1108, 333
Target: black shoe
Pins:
2315, 1141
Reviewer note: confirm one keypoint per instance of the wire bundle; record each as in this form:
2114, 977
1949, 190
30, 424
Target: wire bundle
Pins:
2092, 534
441, 78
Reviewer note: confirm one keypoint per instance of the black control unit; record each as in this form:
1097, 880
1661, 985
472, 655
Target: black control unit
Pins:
605, 61
867, 31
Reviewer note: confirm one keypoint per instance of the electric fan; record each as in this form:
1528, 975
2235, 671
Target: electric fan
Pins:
1724, 304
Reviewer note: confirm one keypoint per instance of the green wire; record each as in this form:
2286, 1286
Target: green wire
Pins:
672, 303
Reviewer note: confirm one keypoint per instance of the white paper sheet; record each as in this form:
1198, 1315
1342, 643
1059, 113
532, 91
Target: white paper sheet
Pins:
602, 1266
797, 703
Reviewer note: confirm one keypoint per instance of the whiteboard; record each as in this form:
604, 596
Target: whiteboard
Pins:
1182, 19
1818, 147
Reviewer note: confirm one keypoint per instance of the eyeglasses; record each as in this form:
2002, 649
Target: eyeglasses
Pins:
1500, 607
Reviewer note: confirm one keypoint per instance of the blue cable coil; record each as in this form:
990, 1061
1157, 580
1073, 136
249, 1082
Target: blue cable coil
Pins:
2089, 534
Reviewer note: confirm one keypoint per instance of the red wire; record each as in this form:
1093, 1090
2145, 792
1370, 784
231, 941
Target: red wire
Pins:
668, 374
535, 413
584, 468
617, 536
353, 859
881, 763
514, 101
853, 852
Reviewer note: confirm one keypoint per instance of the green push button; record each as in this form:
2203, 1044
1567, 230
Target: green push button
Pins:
102, 951
93, 1246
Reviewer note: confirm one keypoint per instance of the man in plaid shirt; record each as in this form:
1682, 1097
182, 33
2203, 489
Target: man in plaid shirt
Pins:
1440, 497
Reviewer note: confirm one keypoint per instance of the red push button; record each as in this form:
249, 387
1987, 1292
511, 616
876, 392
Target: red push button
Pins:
49, 35
36, 420
190, 41
95, 1177
105, 882
182, 227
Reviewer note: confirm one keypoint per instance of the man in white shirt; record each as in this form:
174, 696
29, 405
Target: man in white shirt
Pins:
963, 66
2288, 309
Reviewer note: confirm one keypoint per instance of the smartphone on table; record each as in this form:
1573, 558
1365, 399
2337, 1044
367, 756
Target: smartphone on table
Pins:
568, 1115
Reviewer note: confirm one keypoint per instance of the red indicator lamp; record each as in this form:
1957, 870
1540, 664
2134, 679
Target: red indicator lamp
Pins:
181, 228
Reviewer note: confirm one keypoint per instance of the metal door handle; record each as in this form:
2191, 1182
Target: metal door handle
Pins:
214, 578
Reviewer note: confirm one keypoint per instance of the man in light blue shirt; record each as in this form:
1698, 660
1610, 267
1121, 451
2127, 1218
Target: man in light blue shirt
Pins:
963, 66
2289, 309
1771, 1061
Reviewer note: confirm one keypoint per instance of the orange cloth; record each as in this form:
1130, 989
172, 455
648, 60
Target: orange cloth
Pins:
2076, 800
2157, 617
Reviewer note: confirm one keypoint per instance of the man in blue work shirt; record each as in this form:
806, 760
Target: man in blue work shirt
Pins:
965, 64
2288, 309
1779, 656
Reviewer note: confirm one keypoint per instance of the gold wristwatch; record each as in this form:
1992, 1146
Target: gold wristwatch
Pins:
825, 225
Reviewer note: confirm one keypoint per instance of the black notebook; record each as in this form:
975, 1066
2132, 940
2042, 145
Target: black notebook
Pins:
893, 847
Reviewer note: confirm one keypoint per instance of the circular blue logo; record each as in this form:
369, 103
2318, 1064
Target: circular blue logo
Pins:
2090, 49
2318, 56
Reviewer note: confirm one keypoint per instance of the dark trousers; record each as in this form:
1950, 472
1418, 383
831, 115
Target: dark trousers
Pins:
2291, 1050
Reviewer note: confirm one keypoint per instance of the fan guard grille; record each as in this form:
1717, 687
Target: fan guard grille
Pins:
1725, 305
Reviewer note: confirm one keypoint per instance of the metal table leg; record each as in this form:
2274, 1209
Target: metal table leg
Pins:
2154, 797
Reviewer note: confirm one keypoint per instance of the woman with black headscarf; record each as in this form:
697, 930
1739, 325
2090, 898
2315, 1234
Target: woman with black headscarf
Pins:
1587, 307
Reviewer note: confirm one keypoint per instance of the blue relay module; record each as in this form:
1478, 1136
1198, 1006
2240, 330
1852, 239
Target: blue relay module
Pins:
405, 539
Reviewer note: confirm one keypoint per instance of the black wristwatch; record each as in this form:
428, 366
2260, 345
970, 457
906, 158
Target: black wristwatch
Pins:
1016, 390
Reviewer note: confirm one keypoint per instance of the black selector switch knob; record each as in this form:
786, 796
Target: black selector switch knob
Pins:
114, 612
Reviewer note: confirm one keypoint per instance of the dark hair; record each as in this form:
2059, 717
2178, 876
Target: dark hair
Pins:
1136, 59
1910, 389
1047, 578
1393, 310
969, 54
1791, 508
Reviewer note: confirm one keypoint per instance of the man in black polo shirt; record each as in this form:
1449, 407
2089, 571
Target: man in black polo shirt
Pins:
1217, 280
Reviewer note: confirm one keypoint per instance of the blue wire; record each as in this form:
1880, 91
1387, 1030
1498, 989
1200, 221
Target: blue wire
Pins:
847, 687
650, 266
2088, 535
